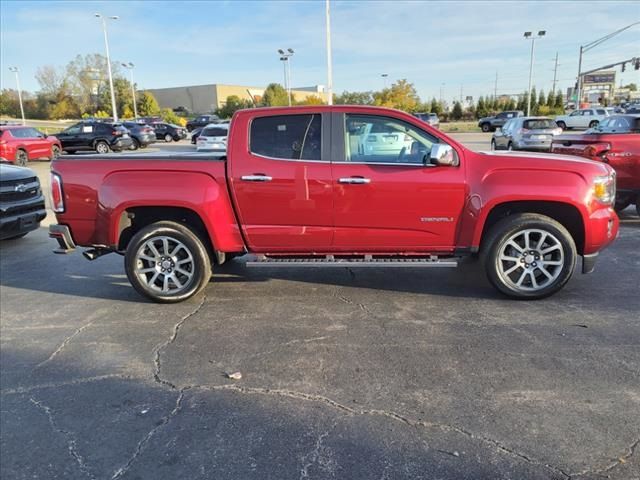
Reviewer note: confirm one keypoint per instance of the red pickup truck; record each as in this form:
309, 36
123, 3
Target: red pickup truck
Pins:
616, 141
341, 186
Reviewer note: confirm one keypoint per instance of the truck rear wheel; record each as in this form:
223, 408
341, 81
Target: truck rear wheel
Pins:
529, 256
167, 262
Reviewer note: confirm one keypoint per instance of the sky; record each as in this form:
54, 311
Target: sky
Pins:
436, 45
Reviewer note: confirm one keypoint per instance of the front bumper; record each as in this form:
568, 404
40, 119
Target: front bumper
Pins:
24, 221
63, 235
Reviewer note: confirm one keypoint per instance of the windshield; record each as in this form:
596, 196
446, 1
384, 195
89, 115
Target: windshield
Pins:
539, 124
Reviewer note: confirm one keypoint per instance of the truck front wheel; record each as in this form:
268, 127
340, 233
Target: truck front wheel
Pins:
167, 262
529, 256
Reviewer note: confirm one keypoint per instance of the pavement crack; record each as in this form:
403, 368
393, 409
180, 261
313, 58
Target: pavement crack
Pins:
72, 446
77, 381
389, 414
142, 444
157, 351
64, 343
631, 450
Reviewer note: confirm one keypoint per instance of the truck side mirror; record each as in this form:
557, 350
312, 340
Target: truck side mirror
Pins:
444, 155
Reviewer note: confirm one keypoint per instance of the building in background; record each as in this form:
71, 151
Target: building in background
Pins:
207, 98
598, 87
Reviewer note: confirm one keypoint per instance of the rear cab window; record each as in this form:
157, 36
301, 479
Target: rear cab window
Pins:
287, 137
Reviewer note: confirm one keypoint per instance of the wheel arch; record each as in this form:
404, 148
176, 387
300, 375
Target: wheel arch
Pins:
566, 214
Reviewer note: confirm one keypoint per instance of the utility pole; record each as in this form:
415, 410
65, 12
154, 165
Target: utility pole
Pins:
555, 76
285, 58
130, 67
329, 60
106, 45
495, 87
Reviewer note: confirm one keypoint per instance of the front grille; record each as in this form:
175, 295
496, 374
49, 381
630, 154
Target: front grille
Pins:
19, 190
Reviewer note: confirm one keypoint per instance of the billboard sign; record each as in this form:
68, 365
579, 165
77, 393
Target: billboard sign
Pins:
608, 77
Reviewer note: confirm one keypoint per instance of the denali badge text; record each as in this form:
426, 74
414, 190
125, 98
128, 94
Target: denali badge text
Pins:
436, 219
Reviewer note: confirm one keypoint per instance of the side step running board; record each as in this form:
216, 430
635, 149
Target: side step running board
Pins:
367, 261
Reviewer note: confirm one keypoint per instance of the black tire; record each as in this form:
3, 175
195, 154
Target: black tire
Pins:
168, 138
593, 123
493, 145
561, 125
638, 205
200, 267
135, 144
22, 158
55, 152
622, 203
485, 127
510, 147
189, 128
102, 147
506, 232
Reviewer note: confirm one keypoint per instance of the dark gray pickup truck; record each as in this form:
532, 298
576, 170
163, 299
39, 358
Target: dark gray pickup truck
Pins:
21, 201
489, 124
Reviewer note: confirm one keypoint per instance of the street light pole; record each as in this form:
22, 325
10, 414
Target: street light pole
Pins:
130, 66
586, 48
529, 36
384, 76
329, 56
285, 57
106, 45
16, 70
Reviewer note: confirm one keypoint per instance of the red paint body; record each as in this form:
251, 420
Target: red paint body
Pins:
35, 146
621, 151
405, 209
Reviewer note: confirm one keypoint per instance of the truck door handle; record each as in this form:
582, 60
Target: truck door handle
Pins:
355, 180
256, 178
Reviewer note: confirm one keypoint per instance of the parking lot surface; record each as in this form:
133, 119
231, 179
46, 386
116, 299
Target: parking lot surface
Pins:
346, 374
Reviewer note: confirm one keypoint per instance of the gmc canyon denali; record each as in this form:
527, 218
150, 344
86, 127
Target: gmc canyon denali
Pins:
339, 186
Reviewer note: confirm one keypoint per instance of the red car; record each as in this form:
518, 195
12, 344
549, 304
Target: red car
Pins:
19, 144
616, 141
339, 186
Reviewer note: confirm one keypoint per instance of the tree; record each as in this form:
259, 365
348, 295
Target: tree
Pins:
559, 104
88, 79
481, 108
510, 105
401, 95
436, 107
522, 102
122, 90
534, 100
311, 100
354, 98
541, 99
456, 114
631, 86
170, 116
550, 99
147, 104
275, 96
233, 104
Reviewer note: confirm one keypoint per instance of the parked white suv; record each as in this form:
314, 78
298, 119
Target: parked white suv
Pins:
583, 118
213, 138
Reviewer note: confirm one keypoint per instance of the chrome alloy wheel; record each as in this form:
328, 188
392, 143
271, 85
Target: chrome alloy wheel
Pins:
531, 260
164, 264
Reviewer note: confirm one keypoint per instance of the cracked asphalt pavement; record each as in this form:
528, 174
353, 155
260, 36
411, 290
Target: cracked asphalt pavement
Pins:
346, 374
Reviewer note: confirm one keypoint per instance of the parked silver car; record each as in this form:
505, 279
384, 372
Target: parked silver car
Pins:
526, 133
430, 118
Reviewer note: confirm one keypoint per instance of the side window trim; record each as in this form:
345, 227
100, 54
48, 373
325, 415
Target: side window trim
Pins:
324, 138
340, 137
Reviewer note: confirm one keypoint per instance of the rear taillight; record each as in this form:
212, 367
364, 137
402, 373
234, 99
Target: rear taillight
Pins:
596, 149
57, 199
116, 133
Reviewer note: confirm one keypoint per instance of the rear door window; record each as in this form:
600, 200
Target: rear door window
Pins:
287, 137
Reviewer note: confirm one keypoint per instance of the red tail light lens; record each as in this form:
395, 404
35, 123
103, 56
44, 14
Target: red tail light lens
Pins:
116, 132
57, 199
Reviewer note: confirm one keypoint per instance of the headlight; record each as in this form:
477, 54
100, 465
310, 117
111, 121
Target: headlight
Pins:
604, 188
